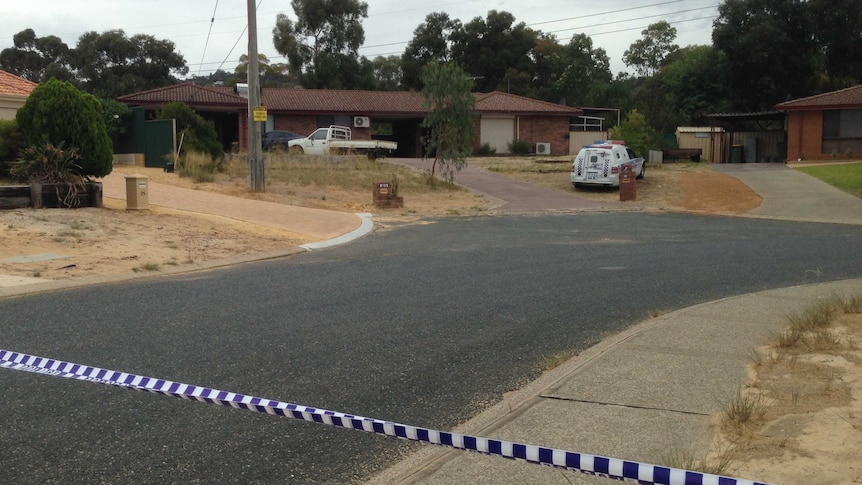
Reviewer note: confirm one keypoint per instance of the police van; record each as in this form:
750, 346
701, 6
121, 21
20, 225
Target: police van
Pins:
601, 163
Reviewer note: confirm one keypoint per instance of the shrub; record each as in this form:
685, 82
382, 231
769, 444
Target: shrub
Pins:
11, 142
59, 114
485, 150
635, 131
197, 134
47, 164
520, 147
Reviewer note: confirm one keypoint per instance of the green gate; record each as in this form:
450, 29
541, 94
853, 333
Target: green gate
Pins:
160, 142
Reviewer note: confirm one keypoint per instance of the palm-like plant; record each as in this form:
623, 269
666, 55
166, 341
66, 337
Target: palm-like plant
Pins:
49, 164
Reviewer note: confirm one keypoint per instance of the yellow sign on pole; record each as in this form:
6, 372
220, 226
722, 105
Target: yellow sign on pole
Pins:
259, 113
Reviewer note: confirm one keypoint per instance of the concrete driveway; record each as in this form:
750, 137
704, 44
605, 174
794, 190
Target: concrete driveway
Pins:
792, 195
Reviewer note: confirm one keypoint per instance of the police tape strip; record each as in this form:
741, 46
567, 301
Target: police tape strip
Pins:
585, 463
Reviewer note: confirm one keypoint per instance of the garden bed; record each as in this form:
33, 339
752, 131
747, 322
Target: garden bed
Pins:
40, 196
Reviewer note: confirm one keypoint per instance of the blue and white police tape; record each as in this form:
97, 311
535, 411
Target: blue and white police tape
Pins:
585, 463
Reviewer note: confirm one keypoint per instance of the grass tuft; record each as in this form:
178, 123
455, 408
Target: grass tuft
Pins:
744, 409
689, 459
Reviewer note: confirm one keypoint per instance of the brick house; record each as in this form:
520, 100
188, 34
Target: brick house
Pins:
14, 92
390, 115
825, 126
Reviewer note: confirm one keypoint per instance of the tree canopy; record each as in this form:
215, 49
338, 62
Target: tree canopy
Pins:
647, 54
321, 46
106, 65
488, 48
110, 64
37, 58
770, 49
432, 42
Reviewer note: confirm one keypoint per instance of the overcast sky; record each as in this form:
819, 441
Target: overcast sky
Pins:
613, 24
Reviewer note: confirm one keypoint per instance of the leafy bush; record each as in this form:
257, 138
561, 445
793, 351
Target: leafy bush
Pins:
520, 147
635, 131
59, 114
197, 134
486, 150
11, 142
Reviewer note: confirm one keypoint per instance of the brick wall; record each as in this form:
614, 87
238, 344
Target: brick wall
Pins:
805, 135
545, 129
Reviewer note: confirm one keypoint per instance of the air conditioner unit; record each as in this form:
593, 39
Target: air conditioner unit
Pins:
543, 148
361, 122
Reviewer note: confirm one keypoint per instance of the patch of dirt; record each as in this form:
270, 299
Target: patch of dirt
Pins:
671, 186
811, 395
113, 240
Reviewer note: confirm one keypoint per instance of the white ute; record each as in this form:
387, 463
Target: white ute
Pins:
601, 162
336, 140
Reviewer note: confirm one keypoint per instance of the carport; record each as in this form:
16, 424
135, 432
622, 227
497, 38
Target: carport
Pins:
748, 137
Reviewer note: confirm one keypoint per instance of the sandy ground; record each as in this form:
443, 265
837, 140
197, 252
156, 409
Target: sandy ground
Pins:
818, 437
806, 425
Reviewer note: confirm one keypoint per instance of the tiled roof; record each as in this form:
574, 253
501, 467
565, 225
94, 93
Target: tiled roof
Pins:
342, 101
14, 85
848, 97
188, 92
300, 100
499, 102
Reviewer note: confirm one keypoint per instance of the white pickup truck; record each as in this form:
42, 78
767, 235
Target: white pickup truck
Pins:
601, 163
336, 140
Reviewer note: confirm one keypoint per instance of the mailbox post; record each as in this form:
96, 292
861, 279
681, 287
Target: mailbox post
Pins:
137, 192
386, 195
628, 186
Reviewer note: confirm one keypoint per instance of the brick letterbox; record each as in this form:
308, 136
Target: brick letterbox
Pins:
628, 186
386, 195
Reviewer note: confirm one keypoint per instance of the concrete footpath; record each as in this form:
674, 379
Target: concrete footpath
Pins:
316, 224
635, 396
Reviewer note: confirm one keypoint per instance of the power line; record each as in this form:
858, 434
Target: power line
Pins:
212, 21
605, 13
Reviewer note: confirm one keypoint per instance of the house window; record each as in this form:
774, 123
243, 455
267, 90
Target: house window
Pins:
842, 131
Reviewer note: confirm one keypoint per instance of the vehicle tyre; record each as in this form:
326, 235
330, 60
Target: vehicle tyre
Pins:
295, 151
643, 171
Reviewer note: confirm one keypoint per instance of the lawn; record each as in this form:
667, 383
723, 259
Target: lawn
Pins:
846, 177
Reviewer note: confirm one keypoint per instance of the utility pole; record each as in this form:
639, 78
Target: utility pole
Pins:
255, 154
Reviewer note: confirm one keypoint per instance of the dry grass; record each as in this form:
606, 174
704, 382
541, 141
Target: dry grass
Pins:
690, 459
349, 172
794, 378
744, 409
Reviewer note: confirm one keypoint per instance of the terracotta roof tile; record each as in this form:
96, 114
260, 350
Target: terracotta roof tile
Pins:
14, 85
342, 101
849, 97
300, 100
499, 102
188, 92
396, 102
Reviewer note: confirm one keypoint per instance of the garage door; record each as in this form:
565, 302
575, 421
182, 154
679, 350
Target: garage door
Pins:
498, 132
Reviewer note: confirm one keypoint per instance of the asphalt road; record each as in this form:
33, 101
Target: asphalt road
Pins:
424, 324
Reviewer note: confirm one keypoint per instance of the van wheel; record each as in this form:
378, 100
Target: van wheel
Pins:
295, 151
643, 171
